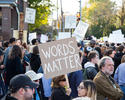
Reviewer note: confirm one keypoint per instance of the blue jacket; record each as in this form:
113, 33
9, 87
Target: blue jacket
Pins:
75, 78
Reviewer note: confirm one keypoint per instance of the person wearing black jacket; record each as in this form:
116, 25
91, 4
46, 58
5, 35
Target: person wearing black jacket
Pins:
59, 92
35, 61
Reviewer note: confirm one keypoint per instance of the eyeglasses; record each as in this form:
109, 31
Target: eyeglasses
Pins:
63, 79
28, 87
80, 87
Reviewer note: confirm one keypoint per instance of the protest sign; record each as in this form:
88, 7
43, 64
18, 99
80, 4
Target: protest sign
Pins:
70, 22
80, 30
16, 34
32, 36
64, 35
43, 38
116, 37
30, 15
59, 57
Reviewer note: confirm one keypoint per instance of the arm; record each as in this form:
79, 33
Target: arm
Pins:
107, 90
116, 75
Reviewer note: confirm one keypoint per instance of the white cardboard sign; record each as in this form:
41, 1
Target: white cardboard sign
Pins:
30, 15
64, 35
81, 30
59, 57
70, 22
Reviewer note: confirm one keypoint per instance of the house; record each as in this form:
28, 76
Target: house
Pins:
12, 18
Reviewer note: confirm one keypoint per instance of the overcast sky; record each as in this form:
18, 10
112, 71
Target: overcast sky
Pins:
72, 6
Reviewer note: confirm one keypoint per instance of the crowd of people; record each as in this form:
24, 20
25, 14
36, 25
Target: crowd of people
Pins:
101, 77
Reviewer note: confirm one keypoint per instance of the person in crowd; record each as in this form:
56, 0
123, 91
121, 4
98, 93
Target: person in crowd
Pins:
92, 44
21, 88
59, 90
107, 88
5, 45
25, 48
19, 43
103, 50
119, 76
75, 78
2, 84
46, 85
90, 70
110, 53
86, 91
98, 49
87, 49
35, 61
14, 65
34, 43
12, 42
118, 55
36, 78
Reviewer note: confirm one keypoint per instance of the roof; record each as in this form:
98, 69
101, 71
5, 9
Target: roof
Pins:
7, 1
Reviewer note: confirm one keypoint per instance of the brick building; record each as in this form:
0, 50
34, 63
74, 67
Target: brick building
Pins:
12, 18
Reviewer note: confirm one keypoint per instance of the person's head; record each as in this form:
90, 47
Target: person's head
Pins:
87, 88
92, 43
103, 49
15, 52
93, 57
110, 53
123, 59
87, 49
18, 42
6, 44
34, 76
25, 45
1, 56
120, 48
12, 41
59, 81
34, 42
22, 87
98, 50
106, 65
35, 50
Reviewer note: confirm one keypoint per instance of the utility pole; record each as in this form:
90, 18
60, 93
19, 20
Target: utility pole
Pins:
57, 17
80, 10
62, 16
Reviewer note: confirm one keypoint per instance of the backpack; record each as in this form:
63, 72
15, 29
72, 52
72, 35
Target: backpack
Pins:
84, 74
89, 73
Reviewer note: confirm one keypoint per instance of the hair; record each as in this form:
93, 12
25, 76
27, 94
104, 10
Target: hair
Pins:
6, 44
35, 50
15, 52
123, 59
120, 48
91, 89
103, 61
56, 80
99, 51
34, 41
108, 52
24, 45
12, 40
91, 55
103, 49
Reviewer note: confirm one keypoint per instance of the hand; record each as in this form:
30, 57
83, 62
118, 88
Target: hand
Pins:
2, 67
68, 91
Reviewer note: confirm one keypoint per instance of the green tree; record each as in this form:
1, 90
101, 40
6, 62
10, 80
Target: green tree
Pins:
100, 16
43, 10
